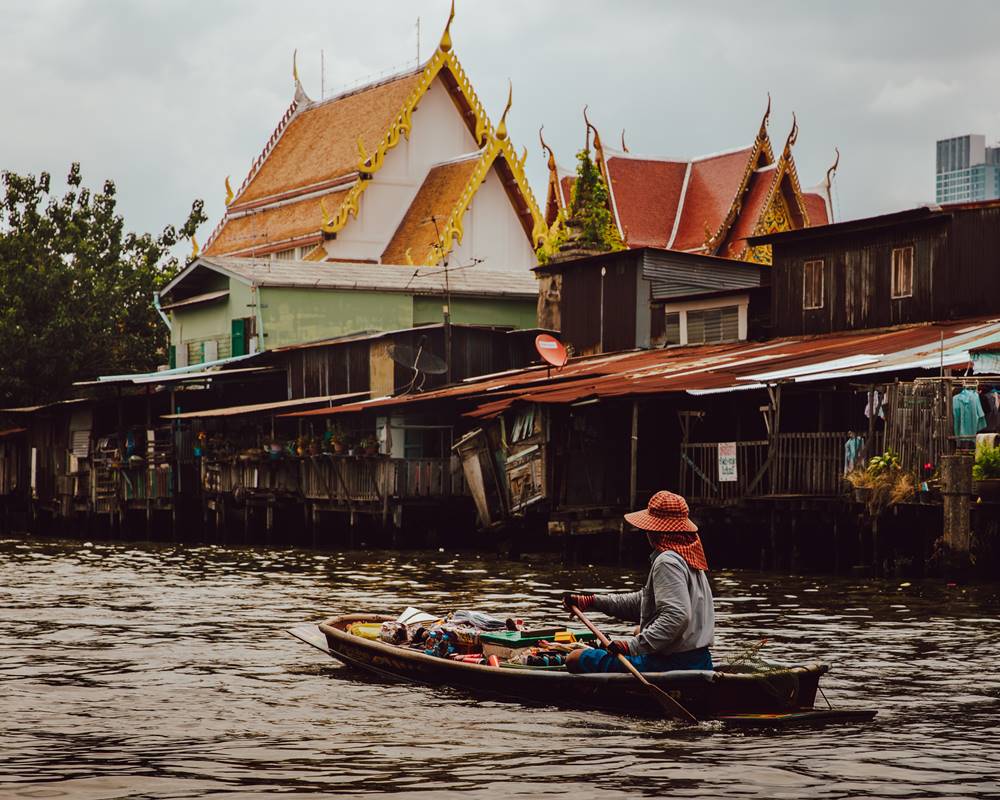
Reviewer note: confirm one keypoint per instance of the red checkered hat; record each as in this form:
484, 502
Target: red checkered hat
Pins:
666, 512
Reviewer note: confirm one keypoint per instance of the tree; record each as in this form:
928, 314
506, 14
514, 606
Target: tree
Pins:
76, 290
590, 208
586, 225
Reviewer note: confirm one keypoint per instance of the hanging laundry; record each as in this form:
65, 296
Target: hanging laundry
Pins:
854, 449
991, 407
875, 405
968, 414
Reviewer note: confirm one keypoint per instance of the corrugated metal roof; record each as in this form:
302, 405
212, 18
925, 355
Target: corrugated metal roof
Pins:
714, 368
172, 376
232, 411
196, 299
473, 280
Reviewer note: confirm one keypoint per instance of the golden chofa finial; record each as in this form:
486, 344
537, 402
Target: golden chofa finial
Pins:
194, 247
445, 45
229, 192
793, 134
590, 127
547, 149
502, 126
295, 66
833, 168
624, 146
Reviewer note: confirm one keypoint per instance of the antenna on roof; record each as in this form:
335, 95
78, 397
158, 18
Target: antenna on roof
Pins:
422, 361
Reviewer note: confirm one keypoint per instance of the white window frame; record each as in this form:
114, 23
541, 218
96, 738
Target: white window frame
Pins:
807, 267
896, 293
742, 302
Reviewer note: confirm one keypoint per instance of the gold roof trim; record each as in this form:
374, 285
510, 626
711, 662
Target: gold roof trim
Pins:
453, 231
370, 163
761, 146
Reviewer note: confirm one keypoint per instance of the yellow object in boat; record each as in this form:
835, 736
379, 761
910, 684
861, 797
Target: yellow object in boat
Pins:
366, 630
565, 637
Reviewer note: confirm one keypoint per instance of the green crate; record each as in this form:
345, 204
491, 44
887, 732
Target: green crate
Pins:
517, 639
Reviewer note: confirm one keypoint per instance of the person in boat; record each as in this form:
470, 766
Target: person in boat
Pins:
674, 609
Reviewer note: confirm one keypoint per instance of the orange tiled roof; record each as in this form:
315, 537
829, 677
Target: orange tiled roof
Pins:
647, 195
321, 142
260, 229
712, 186
816, 208
754, 207
436, 197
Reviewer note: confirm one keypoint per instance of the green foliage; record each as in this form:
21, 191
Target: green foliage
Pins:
987, 464
587, 223
886, 462
590, 207
76, 289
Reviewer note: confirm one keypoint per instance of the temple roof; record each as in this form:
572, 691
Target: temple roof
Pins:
647, 194
283, 226
308, 181
713, 184
709, 204
818, 207
421, 227
320, 142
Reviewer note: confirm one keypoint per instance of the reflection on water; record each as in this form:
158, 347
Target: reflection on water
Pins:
161, 671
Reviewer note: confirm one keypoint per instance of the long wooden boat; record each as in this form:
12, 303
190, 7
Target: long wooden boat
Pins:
778, 696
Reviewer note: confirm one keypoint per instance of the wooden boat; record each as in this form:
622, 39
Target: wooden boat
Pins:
781, 695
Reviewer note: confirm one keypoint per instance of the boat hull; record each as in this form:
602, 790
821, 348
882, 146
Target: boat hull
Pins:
707, 694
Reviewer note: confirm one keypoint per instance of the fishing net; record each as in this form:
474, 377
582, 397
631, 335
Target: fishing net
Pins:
749, 659
773, 681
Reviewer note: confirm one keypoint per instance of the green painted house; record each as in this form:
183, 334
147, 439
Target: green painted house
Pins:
224, 307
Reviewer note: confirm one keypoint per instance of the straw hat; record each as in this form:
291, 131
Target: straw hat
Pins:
666, 512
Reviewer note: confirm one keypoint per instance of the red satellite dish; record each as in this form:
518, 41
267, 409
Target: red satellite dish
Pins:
551, 350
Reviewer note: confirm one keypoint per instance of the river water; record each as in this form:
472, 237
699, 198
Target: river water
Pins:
162, 672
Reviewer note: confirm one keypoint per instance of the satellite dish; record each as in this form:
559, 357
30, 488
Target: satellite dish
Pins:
418, 359
552, 351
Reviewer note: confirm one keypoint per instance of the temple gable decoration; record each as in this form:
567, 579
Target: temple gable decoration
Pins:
315, 189
708, 204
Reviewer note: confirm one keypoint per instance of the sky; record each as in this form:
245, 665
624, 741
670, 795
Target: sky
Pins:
168, 98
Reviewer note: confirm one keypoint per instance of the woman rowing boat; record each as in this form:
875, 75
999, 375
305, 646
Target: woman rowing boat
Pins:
674, 609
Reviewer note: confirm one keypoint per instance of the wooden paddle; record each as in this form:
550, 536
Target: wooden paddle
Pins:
670, 706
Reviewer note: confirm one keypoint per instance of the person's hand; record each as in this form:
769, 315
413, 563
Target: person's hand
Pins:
581, 601
619, 647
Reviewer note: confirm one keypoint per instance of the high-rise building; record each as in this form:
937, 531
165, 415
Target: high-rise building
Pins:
967, 169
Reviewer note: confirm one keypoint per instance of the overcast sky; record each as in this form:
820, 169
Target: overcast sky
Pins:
167, 98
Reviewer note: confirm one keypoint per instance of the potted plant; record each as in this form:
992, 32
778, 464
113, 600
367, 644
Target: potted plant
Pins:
986, 472
338, 439
369, 446
861, 484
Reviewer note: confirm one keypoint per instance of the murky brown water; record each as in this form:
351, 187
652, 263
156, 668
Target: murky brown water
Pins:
162, 672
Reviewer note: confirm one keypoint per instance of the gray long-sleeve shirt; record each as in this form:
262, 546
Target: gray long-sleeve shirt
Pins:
674, 609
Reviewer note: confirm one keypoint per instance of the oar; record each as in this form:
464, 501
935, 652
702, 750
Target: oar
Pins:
670, 706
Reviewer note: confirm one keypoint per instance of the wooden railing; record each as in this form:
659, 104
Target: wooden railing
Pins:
429, 477
808, 463
790, 464
345, 479
339, 479
699, 474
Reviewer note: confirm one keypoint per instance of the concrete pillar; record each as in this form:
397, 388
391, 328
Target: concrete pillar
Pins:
956, 475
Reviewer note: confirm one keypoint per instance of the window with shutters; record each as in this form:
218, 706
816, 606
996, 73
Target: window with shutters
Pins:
286, 255
672, 328
711, 325
812, 284
902, 272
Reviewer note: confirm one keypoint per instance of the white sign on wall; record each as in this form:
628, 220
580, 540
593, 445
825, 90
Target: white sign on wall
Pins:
727, 461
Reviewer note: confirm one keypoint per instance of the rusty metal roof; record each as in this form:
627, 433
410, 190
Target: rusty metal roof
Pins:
258, 408
704, 369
